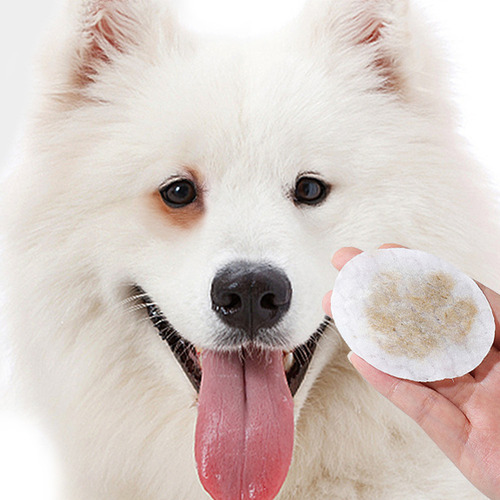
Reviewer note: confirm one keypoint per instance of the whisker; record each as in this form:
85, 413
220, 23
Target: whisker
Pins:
137, 307
133, 298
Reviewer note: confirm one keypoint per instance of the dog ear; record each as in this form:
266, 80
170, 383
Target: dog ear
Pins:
106, 29
378, 28
90, 36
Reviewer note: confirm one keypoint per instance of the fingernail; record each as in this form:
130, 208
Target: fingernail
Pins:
349, 356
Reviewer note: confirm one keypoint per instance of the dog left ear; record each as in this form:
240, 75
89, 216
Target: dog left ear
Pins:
379, 28
383, 24
372, 21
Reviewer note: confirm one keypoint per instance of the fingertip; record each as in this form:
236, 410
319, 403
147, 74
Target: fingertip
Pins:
385, 246
327, 299
359, 363
344, 255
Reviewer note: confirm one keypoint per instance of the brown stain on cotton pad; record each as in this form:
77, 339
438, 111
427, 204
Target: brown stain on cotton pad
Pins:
413, 316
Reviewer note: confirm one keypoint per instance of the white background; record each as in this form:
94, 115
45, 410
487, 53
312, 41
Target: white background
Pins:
469, 30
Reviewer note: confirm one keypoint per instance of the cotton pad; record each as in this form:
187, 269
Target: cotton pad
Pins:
412, 315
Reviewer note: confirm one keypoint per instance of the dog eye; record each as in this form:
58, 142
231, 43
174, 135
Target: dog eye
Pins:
178, 194
310, 191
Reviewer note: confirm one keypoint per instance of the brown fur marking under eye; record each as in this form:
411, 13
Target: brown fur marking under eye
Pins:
185, 217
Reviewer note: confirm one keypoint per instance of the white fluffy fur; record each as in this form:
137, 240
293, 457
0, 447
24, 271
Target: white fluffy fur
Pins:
249, 116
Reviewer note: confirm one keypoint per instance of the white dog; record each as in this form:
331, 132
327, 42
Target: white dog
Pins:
172, 224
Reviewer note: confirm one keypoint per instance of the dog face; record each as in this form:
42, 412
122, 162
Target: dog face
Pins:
229, 195
190, 166
224, 156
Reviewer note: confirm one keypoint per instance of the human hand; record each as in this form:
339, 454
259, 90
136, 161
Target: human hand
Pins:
462, 415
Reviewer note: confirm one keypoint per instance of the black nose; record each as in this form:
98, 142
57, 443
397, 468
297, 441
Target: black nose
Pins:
250, 296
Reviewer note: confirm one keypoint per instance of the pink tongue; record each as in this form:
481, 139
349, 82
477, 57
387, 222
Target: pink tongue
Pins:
244, 431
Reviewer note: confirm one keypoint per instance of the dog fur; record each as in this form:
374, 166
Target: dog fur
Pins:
352, 90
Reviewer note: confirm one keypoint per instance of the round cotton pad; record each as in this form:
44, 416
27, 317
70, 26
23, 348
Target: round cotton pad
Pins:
412, 315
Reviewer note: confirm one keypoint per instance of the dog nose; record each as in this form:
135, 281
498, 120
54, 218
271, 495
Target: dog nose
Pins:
251, 296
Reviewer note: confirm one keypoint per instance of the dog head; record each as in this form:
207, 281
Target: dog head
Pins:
234, 162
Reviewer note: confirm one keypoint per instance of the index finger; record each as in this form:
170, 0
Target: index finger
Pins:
345, 254
339, 260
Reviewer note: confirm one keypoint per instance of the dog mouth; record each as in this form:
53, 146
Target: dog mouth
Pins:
295, 362
244, 433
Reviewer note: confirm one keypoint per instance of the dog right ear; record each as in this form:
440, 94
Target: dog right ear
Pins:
100, 32
390, 38
108, 28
